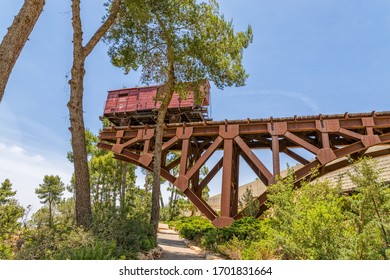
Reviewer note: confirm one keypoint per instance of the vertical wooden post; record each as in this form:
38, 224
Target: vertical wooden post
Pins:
235, 181
325, 140
226, 178
183, 163
225, 218
275, 155
196, 178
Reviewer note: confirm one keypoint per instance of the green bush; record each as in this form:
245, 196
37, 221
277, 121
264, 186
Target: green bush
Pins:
5, 248
192, 228
247, 229
46, 244
98, 250
233, 248
260, 250
131, 234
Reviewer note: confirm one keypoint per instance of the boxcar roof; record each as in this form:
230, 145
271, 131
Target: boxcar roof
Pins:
132, 88
146, 87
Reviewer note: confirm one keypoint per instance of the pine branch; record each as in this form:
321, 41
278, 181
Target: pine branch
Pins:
103, 28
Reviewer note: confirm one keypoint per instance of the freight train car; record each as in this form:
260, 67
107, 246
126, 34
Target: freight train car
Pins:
138, 106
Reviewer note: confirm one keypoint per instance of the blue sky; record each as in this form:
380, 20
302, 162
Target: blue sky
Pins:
308, 57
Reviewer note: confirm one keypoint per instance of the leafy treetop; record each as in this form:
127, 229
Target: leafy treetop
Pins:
198, 40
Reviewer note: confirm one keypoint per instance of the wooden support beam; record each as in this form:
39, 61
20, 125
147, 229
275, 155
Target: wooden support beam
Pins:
235, 182
182, 181
276, 155
295, 156
211, 174
170, 143
227, 178
325, 140
327, 137
350, 134
304, 171
257, 166
301, 142
201, 204
184, 157
173, 164
195, 179
207, 154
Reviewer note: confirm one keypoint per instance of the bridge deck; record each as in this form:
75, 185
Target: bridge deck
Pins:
326, 137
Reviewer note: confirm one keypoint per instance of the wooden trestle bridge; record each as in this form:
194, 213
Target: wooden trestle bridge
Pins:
327, 137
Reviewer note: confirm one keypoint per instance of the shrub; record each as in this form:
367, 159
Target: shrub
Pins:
46, 244
260, 250
233, 248
5, 249
97, 250
247, 229
192, 228
131, 234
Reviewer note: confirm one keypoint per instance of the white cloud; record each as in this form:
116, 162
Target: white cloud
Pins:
26, 170
38, 158
16, 150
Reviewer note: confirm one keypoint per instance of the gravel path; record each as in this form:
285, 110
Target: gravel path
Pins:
173, 246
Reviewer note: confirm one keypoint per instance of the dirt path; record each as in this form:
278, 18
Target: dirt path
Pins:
173, 247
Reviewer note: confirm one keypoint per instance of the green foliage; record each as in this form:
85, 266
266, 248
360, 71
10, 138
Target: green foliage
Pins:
192, 228
6, 251
45, 243
247, 228
121, 210
192, 36
368, 210
50, 193
6, 192
10, 214
113, 236
97, 250
307, 223
10, 210
233, 248
51, 190
262, 249
179, 44
315, 221
131, 234
249, 204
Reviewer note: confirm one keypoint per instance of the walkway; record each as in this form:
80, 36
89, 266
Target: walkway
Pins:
174, 247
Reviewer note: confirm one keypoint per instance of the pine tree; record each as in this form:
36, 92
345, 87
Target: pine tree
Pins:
50, 193
10, 213
179, 44
77, 128
6, 192
369, 211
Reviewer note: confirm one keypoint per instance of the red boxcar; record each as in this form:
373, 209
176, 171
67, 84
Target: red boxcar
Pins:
137, 106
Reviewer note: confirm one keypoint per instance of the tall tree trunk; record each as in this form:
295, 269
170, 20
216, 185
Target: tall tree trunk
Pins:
16, 37
170, 203
77, 128
161, 201
146, 185
50, 216
115, 185
165, 100
75, 105
96, 199
123, 186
